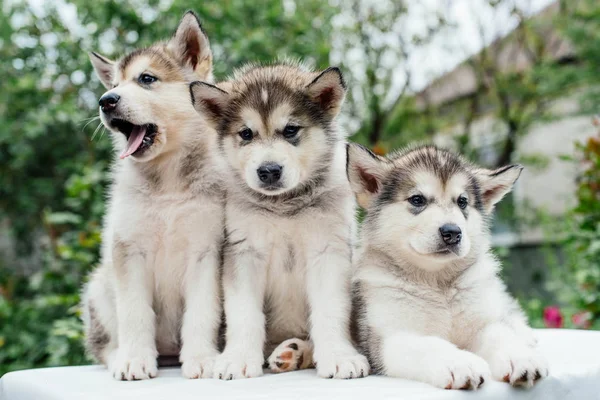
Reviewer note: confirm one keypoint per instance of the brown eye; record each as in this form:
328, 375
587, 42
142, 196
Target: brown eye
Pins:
462, 202
290, 131
246, 134
147, 79
417, 200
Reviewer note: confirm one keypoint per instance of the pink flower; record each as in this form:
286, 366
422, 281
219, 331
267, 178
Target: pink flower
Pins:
582, 319
553, 317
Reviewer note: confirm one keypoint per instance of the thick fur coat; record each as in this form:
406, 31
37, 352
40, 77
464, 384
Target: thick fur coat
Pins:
289, 221
156, 290
429, 304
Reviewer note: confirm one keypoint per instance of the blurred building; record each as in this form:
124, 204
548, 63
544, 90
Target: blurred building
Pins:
547, 185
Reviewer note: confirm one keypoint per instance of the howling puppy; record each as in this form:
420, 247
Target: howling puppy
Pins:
428, 300
156, 291
289, 221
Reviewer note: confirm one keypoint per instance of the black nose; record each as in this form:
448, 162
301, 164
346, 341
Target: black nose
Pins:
109, 101
269, 173
451, 233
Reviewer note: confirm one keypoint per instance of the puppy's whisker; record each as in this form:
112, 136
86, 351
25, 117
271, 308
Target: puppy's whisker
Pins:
98, 128
89, 121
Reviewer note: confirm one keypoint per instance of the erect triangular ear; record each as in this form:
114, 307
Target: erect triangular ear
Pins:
104, 68
495, 184
328, 90
209, 100
366, 171
191, 47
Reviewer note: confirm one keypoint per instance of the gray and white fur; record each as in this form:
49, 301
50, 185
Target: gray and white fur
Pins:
428, 302
289, 221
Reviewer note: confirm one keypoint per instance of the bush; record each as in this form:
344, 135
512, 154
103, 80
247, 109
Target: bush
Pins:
39, 315
577, 282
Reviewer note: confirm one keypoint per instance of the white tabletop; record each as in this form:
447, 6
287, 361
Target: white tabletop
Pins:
574, 358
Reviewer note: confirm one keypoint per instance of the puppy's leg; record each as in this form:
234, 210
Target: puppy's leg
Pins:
244, 279
328, 280
136, 355
511, 353
99, 316
291, 355
201, 317
432, 360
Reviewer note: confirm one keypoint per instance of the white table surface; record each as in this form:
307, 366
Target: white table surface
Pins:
574, 358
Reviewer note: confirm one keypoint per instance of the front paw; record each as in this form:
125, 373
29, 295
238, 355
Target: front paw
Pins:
198, 366
342, 366
457, 369
236, 365
133, 365
523, 366
291, 355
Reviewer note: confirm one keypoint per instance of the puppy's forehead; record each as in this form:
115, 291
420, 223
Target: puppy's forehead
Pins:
441, 163
427, 183
253, 77
458, 183
267, 123
153, 60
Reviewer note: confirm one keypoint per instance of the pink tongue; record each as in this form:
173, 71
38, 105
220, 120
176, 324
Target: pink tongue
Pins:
135, 140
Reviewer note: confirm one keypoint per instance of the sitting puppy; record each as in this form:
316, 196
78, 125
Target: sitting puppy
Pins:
289, 221
429, 304
156, 291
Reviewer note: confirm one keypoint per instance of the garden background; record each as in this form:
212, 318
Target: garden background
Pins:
481, 76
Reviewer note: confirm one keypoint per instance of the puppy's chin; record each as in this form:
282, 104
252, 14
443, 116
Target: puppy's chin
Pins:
277, 189
437, 258
270, 191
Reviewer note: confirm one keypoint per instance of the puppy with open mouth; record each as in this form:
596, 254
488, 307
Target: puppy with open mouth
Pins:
156, 291
428, 302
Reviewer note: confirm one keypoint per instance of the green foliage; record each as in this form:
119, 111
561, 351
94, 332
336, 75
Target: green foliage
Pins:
578, 280
39, 324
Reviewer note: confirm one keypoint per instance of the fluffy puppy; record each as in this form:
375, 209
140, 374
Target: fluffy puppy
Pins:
156, 291
429, 303
289, 221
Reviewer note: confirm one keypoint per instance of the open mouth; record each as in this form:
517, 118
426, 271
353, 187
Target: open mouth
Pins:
139, 137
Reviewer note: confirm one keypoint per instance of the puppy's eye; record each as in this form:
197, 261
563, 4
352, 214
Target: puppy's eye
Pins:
246, 134
290, 131
147, 79
417, 200
462, 202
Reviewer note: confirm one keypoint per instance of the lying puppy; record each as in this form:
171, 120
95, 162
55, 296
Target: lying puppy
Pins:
289, 221
428, 300
157, 288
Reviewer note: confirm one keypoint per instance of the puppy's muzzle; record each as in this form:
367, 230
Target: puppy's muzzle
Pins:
109, 102
451, 234
269, 174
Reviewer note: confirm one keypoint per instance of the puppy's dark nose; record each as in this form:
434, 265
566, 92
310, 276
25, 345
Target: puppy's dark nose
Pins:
451, 233
109, 101
269, 173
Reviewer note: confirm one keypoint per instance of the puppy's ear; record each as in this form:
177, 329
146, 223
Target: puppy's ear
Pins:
104, 68
209, 100
191, 47
495, 184
328, 90
366, 171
